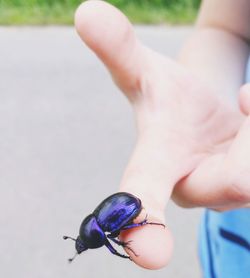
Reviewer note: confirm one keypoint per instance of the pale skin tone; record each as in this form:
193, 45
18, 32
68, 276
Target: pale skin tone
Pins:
192, 115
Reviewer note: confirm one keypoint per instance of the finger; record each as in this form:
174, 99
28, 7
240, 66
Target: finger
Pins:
205, 186
221, 181
152, 245
244, 99
238, 160
110, 35
150, 175
247, 205
144, 180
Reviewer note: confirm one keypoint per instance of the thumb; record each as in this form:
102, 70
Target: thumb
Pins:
110, 35
151, 175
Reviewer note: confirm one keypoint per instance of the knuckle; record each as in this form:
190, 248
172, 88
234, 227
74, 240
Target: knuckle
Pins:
239, 189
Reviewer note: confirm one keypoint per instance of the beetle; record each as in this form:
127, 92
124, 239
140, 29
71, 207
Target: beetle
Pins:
113, 215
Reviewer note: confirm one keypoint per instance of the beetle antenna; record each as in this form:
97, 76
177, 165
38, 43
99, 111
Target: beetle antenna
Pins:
72, 259
68, 237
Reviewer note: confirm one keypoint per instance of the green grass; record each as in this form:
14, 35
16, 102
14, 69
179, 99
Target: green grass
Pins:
150, 14
43, 12
36, 15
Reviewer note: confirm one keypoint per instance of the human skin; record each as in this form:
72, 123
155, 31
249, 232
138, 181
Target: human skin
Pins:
193, 139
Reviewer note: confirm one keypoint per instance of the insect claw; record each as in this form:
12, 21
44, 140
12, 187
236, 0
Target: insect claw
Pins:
129, 248
158, 224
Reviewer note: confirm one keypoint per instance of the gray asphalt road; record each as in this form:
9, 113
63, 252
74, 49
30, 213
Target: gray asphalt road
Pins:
66, 135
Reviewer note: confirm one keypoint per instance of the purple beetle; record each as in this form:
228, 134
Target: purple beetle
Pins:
115, 214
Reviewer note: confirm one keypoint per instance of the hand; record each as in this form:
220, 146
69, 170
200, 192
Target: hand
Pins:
222, 180
187, 136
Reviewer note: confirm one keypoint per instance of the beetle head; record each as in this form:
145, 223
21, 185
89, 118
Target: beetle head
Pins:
79, 245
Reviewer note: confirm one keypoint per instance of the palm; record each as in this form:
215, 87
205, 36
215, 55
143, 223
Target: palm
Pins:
189, 116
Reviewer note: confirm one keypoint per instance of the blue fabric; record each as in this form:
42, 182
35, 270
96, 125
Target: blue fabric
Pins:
225, 244
224, 241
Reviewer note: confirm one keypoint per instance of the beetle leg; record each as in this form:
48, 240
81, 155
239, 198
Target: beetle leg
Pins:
124, 244
134, 225
121, 243
144, 222
154, 223
113, 234
113, 251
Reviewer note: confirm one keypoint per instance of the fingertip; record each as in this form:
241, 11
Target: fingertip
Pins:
244, 99
98, 23
85, 19
152, 244
108, 32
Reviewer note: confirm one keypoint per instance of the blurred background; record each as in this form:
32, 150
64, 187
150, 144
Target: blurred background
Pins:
61, 11
66, 136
